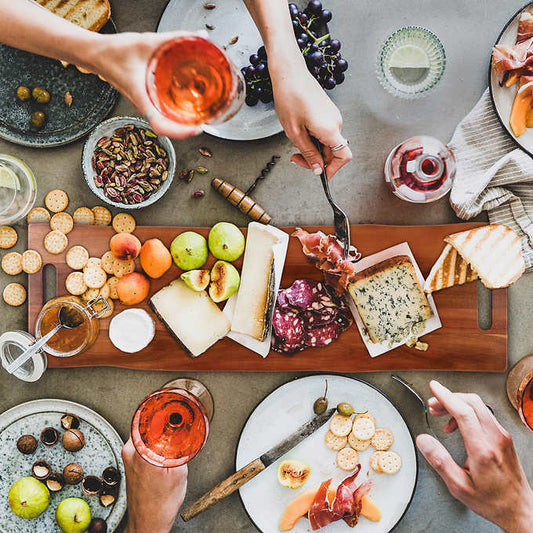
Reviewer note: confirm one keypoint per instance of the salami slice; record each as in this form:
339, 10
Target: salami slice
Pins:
288, 326
303, 292
322, 336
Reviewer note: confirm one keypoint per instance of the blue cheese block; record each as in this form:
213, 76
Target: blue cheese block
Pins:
389, 299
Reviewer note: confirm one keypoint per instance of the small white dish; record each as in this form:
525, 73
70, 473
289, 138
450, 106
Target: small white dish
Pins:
106, 129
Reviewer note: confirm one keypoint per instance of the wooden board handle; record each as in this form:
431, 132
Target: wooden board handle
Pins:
245, 204
223, 489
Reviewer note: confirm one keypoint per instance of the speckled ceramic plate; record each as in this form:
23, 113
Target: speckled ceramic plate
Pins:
290, 406
92, 98
102, 449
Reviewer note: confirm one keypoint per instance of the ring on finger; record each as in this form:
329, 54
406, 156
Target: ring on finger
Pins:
339, 146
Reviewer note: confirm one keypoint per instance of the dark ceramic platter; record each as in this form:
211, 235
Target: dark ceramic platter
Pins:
92, 98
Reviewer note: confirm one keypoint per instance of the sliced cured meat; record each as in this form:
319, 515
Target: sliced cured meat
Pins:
288, 326
322, 336
303, 292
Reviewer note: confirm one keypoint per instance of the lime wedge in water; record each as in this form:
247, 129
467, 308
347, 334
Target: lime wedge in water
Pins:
409, 56
8, 178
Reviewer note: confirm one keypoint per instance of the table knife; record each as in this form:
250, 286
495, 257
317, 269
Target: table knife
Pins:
246, 473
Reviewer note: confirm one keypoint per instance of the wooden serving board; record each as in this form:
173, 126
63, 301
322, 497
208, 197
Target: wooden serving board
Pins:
460, 345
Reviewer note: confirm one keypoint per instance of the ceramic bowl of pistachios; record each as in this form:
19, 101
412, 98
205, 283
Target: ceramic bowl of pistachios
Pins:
126, 164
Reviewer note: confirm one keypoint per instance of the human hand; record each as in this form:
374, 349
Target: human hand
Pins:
491, 482
305, 109
122, 60
154, 494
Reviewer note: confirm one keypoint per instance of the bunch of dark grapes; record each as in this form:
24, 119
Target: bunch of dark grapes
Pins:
321, 52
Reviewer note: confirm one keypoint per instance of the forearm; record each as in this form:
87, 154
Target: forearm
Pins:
28, 26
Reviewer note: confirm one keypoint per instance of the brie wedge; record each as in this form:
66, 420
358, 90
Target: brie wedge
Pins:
256, 296
191, 317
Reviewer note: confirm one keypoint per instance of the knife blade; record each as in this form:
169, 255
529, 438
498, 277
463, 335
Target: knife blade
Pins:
248, 472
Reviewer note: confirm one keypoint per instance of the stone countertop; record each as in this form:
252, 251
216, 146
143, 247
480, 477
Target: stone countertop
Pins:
374, 123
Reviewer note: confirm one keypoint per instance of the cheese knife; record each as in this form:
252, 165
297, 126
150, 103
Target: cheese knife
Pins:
246, 473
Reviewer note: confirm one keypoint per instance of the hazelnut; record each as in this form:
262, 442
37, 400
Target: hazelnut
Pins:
97, 525
41, 470
107, 498
27, 444
73, 473
55, 482
49, 436
110, 476
70, 421
91, 485
73, 440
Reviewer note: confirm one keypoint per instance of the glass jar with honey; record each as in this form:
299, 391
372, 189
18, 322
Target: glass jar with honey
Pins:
68, 342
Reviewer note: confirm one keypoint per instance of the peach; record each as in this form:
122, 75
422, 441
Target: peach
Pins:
155, 258
125, 246
133, 288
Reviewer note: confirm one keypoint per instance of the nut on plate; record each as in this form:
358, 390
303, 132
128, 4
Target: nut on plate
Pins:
41, 470
73, 440
49, 436
27, 444
70, 421
73, 473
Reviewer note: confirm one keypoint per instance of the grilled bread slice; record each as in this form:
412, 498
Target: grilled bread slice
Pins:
493, 251
450, 269
89, 14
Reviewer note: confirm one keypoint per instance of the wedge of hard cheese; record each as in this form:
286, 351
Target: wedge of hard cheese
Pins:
450, 269
191, 317
493, 251
256, 298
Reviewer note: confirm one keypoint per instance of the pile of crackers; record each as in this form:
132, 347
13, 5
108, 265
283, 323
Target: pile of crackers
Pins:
359, 434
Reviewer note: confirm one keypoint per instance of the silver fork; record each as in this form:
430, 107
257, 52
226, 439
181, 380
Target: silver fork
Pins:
342, 224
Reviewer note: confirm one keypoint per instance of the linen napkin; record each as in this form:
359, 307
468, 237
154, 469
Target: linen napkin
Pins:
493, 175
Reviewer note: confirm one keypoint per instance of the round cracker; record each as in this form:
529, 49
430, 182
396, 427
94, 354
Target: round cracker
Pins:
108, 262
389, 462
340, 425
382, 439
75, 283
95, 277
112, 284
124, 223
38, 215
335, 443
347, 459
12, 263
102, 215
93, 262
122, 268
31, 261
62, 222
8, 237
77, 257
90, 294
55, 242
83, 215
358, 444
363, 428
14, 294
56, 200
104, 291
374, 462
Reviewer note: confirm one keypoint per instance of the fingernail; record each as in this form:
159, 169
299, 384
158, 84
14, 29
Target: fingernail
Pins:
317, 169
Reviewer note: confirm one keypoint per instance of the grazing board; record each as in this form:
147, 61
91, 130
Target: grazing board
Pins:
460, 345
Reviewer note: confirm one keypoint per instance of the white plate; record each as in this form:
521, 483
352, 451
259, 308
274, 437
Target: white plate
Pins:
503, 97
290, 406
230, 19
102, 449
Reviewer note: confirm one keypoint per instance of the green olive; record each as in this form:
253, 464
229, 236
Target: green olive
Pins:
38, 119
41, 96
320, 405
23, 93
345, 409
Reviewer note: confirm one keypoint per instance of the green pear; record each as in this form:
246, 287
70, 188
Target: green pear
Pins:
189, 250
28, 498
226, 241
73, 515
197, 280
225, 281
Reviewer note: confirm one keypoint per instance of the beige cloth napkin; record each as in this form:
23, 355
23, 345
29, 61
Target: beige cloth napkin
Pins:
493, 175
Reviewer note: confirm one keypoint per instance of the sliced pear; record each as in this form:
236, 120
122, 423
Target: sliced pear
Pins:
197, 280
225, 281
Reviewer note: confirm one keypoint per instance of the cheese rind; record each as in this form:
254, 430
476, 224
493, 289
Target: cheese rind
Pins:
389, 299
190, 316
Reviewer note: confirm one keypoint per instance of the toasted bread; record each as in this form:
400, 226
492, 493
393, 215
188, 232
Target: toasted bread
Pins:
89, 14
493, 251
450, 269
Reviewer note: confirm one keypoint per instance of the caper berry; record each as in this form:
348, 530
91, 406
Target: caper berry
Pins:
345, 409
321, 404
38, 119
41, 96
23, 93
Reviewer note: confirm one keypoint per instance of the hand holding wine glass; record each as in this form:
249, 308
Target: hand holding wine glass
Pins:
492, 482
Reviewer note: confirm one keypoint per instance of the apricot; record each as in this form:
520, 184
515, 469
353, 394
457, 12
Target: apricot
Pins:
155, 258
133, 288
125, 246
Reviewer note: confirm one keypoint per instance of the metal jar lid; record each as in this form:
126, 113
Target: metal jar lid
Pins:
12, 345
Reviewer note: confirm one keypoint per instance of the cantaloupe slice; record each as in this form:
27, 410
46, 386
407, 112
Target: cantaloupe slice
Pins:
521, 106
370, 509
296, 509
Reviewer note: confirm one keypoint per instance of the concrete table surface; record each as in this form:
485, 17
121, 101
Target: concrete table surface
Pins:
374, 123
